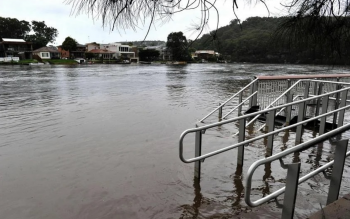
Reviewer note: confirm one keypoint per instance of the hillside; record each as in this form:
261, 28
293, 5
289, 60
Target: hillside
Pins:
254, 40
145, 43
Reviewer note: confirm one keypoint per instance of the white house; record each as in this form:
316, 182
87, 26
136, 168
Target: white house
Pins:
47, 52
91, 46
119, 50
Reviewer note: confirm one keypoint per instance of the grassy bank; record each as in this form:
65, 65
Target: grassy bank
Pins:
27, 61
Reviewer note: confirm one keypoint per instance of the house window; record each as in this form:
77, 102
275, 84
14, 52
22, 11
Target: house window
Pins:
45, 54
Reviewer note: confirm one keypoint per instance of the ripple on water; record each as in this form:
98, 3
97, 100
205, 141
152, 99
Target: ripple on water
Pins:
101, 141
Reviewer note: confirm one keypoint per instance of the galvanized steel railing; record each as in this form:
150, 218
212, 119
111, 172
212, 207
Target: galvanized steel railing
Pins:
339, 95
239, 106
293, 179
272, 111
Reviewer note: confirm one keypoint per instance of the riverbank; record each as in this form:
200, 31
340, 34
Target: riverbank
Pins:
51, 61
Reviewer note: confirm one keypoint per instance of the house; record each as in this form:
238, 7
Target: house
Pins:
16, 48
47, 52
91, 46
205, 54
78, 53
112, 50
120, 51
102, 53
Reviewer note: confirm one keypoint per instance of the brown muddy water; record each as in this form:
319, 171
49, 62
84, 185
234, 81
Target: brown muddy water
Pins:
101, 141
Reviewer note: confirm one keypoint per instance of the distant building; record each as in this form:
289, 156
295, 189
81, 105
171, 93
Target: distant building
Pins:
91, 46
102, 53
120, 50
78, 53
112, 50
16, 48
205, 54
47, 52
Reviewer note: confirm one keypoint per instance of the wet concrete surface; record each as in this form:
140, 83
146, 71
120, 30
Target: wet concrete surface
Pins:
339, 209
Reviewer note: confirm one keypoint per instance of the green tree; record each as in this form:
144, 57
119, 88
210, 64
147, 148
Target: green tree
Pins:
69, 44
178, 45
148, 54
13, 28
42, 34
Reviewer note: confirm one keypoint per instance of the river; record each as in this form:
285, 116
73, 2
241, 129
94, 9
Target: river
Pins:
101, 141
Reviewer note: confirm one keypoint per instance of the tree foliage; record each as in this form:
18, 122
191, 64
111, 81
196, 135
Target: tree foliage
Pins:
178, 45
254, 40
42, 34
13, 28
309, 22
148, 55
130, 14
69, 44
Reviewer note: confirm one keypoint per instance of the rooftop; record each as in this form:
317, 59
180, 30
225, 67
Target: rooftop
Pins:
13, 40
46, 49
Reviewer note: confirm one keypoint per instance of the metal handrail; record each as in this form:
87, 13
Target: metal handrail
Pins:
289, 89
182, 136
246, 142
245, 100
282, 154
277, 99
281, 110
221, 105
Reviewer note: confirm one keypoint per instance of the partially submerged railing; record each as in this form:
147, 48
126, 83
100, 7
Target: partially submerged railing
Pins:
320, 97
270, 88
251, 86
293, 179
272, 111
318, 90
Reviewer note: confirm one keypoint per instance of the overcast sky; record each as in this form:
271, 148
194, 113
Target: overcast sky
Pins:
84, 29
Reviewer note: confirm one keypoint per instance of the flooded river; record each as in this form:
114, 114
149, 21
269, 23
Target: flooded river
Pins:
101, 141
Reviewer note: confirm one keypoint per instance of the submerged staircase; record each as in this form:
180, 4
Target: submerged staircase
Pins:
269, 105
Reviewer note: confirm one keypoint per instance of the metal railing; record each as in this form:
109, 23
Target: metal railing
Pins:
271, 90
321, 98
272, 111
240, 93
293, 179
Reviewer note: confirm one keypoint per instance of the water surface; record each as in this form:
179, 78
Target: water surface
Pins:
101, 141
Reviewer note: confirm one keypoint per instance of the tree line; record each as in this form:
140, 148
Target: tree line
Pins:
36, 32
268, 40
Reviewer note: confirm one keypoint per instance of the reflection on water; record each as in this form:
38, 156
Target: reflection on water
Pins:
101, 141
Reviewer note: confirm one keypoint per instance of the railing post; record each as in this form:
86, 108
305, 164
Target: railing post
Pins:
241, 137
240, 98
289, 83
291, 190
306, 89
336, 106
289, 108
255, 97
337, 172
220, 111
343, 95
270, 128
197, 153
301, 116
318, 102
325, 101
253, 88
